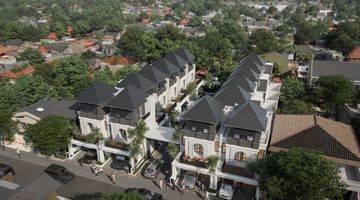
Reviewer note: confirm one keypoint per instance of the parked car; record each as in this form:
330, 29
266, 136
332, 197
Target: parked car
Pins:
88, 157
226, 191
153, 169
120, 163
189, 180
6, 172
59, 173
147, 194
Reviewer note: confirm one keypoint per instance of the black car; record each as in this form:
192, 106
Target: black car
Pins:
88, 157
147, 194
59, 173
6, 169
120, 163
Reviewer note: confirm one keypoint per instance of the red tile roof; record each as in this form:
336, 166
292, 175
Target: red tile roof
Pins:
86, 42
51, 36
354, 54
3, 50
15, 75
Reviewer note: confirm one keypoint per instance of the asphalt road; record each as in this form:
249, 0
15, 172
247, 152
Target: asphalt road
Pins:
78, 188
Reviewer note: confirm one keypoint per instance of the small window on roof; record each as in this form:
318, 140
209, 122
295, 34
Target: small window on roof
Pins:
237, 136
250, 138
206, 130
193, 128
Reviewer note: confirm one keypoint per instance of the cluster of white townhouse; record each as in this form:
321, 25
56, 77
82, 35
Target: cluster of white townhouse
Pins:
145, 95
234, 125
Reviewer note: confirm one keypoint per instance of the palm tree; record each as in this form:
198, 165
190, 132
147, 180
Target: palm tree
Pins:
178, 134
213, 160
138, 136
173, 150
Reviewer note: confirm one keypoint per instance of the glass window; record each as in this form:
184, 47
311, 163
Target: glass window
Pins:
250, 138
91, 126
198, 148
193, 128
240, 156
216, 146
123, 134
223, 147
206, 130
237, 136
127, 117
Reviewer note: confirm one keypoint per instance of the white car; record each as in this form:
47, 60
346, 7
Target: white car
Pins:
226, 191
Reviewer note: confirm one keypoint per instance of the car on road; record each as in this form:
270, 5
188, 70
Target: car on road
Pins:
147, 194
120, 163
189, 180
88, 157
59, 173
226, 191
153, 169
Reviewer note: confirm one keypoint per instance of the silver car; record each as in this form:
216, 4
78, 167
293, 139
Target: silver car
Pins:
153, 169
226, 191
189, 180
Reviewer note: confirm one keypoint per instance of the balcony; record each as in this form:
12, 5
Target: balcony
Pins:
198, 162
170, 107
240, 171
199, 135
117, 145
242, 143
123, 121
91, 138
91, 115
180, 97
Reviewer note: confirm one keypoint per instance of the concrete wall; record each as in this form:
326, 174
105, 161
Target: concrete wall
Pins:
208, 147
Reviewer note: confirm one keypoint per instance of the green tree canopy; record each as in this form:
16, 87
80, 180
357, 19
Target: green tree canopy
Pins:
7, 125
51, 135
298, 174
264, 41
33, 56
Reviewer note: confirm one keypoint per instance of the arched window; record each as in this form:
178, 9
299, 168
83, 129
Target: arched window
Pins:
123, 134
91, 126
240, 156
198, 148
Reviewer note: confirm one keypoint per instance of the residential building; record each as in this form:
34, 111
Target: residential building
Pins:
354, 55
117, 62
146, 95
350, 114
234, 125
335, 140
350, 70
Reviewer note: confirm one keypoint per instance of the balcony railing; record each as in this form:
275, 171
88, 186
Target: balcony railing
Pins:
198, 162
170, 107
91, 115
123, 121
200, 135
162, 117
181, 74
179, 98
242, 143
86, 138
117, 145
240, 171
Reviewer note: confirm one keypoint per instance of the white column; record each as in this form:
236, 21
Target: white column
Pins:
213, 181
257, 195
174, 172
71, 150
132, 163
100, 153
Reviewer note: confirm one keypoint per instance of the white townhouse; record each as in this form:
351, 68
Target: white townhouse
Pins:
233, 125
145, 95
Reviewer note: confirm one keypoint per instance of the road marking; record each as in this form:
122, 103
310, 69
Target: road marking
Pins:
8, 185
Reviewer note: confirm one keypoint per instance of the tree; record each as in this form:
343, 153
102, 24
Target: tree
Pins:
335, 91
50, 136
122, 196
345, 37
298, 174
234, 32
173, 150
137, 135
33, 56
264, 41
169, 32
123, 72
106, 76
7, 126
70, 76
213, 161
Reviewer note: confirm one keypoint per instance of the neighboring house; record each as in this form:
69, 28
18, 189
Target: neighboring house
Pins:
350, 70
350, 114
44, 108
15, 75
51, 38
234, 125
145, 95
354, 55
117, 62
335, 140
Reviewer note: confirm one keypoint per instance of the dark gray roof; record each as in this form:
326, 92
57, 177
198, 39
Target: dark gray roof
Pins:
130, 98
60, 47
165, 66
153, 74
247, 72
268, 69
263, 85
96, 93
350, 70
254, 62
64, 108
241, 81
175, 59
249, 116
137, 80
185, 54
232, 94
207, 110
41, 188
13, 42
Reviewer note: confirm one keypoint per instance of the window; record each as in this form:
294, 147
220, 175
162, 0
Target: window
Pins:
24, 126
91, 126
175, 91
261, 154
206, 130
198, 148
164, 101
127, 117
123, 134
223, 147
250, 138
240, 156
184, 83
193, 128
216, 146
183, 140
237, 136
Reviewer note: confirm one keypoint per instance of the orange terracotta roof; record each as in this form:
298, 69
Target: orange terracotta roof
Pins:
69, 30
184, 22
202, 72
119, 60
354, 54
86, 42
43, 49
3, 50
145, 21
15, 75
51, 36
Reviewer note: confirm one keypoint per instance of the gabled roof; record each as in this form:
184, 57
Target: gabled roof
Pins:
130, 98
206, 110
232, 94
241, 81
249, 116
350, 70
153, 74
96, 93
137, 80
165, 66
334, 139
254, 62
247, 72
354, 54
185, 54
175, 59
